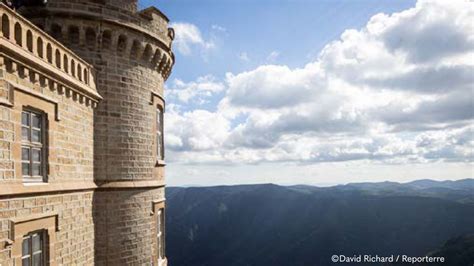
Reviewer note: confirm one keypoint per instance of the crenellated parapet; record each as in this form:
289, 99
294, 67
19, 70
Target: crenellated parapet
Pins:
110, 27
133, 45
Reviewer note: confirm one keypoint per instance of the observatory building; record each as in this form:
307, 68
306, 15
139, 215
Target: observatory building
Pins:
81, 132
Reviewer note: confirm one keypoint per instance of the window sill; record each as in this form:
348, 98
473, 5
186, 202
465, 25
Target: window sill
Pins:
160, 163
34, 183
17, 188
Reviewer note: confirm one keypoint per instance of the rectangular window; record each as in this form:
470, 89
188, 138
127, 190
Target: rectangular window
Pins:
33, 249
160, 233
160, 150
32, 146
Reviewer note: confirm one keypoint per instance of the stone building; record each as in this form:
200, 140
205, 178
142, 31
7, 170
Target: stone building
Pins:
81, 133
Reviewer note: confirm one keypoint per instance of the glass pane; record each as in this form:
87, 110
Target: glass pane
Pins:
36, 242
36, 169
25, 154
158, 118
158, 146
36, 155
36, 135
25, 247
158, 222
36, 120
160, 253
25, 262
25, 133
37, 259
162, 222
25, 169
25, 119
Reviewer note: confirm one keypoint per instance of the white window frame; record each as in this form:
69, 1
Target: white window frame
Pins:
160, 143
160, 234
31, 253
31, 146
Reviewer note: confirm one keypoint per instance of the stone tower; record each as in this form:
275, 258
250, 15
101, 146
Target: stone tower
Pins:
131, 53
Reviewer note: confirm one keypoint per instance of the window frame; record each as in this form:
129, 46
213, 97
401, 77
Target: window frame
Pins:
160, 233
21, 226
159, 134
31, 146
43, 245
159, 219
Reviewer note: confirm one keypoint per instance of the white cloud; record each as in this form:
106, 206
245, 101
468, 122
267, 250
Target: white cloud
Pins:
197, 130
188, 36
197, 91
272, 86
397, 91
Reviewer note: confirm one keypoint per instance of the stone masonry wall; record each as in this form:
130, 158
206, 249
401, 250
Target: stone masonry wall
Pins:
125, 227
125, 119
132, 58
66, 195
70, 140
75, 236
70, 163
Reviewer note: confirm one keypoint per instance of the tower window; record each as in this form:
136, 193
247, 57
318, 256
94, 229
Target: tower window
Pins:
33, 144
160, 149
33, 252
160, 236
73, 35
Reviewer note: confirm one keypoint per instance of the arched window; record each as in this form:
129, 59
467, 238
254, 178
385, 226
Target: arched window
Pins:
73, 35
39, 47
5, 26
29, 41
156, 58
18, 34
49, 53
66, 63
56, 31
73, 68
86, 76
90, 38
79, 72
122, 43
162, 62
106, 39
58, 58
147, 53
135, 49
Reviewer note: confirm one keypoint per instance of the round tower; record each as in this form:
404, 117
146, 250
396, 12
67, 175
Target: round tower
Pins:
130, 50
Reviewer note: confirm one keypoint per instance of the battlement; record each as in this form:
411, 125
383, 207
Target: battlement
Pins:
150, 19
144, 35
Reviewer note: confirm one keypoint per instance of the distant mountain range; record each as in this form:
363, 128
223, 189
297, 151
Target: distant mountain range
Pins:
304, 225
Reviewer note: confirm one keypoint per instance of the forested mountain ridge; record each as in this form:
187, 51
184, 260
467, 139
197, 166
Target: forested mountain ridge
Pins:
304, 225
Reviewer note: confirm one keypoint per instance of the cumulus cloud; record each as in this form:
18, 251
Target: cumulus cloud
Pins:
197, 130
196, 91
399, 90
189, 36
428, 35
271, 86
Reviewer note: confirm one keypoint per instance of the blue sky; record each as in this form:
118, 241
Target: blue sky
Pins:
296, 29
319, 92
